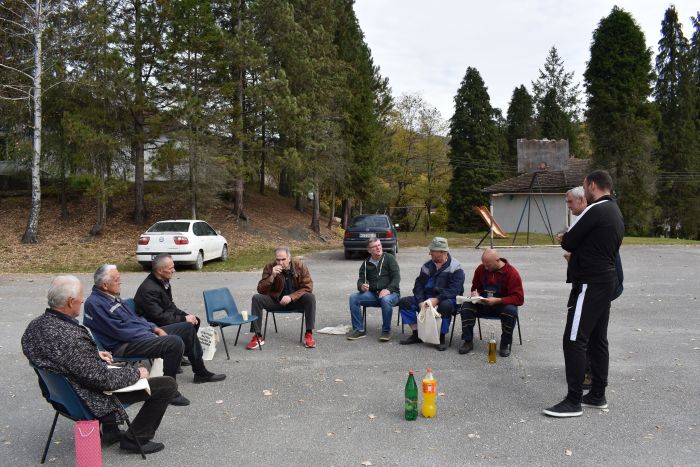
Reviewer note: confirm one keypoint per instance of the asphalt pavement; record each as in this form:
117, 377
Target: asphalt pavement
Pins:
341, 404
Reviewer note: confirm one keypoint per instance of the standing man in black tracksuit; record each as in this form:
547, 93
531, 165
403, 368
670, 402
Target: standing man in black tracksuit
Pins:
593, 241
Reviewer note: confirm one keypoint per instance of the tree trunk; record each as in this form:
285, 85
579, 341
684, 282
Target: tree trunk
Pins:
332, 216
345, 208
193, 180
283, 188
65, 215
427, 219
139, 120
316, 214
299, 203
263, 156
101, 213
30, 233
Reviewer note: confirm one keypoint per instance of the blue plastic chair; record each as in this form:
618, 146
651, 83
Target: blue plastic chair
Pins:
267, 313
221, 299
61, 395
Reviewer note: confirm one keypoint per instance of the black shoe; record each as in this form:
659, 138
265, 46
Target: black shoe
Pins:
385, 337
112, 437
564, 409
149, 447
441, 347
185, 362
211, 378
595, 402
412, 339
354, 335
179, 400
466, 347
504, 350
179, 370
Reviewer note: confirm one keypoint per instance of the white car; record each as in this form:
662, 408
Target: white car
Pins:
190, 242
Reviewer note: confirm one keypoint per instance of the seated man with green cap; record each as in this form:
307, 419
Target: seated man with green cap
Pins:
440, 280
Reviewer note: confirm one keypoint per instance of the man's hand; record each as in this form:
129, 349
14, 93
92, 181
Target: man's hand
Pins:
434, 301
364, 287
383, 293
159, 332
475, 293
143, 373
192, 319
276, 269
106, 356
567, 256
491, 301
286, 300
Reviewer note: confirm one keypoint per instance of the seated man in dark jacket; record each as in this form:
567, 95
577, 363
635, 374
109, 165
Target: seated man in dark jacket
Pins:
128, 335
154, 297
56, 342
440, 280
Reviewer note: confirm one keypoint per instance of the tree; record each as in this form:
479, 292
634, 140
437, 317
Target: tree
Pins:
675, 96
618, 82
556, 98
520, 121
473, 151
27, 22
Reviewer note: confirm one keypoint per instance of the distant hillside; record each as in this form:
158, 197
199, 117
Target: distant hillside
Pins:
64, 246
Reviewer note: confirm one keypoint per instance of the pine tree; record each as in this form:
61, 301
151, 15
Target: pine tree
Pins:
678, 151
520, 121
618, 82
473, 151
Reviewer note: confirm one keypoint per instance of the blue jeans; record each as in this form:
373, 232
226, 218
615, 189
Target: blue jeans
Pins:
386, 303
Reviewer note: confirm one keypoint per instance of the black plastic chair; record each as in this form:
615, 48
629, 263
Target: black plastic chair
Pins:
478, 321
267, 313
61, 395
222, 300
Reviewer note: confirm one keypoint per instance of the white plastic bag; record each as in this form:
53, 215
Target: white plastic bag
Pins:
208, 337
156, 368
429, 322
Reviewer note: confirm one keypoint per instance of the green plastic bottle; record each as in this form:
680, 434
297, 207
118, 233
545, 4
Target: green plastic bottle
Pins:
411, 398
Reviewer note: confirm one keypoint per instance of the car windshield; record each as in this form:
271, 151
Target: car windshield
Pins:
170, 227
370, 222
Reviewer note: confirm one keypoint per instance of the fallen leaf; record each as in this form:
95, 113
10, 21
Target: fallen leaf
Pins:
267, 392
338, 380
568, 452
330, 433
371, 416
219, 401
366, 463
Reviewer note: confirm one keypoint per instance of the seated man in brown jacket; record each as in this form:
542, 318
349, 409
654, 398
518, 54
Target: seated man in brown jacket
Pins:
285, 285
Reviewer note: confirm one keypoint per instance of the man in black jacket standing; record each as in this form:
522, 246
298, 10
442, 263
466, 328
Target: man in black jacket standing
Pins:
593, 241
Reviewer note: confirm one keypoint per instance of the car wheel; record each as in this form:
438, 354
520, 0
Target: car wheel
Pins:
395, 249
348, 254
199, 263
224, 253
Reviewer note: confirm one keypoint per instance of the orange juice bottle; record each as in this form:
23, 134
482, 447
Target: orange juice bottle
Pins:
429, 409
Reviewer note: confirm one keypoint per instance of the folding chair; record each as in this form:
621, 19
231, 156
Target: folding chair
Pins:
267, 313
222, 300
61, 395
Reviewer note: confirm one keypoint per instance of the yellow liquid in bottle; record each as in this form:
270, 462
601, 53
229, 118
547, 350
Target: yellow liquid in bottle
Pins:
429, 408
492, 352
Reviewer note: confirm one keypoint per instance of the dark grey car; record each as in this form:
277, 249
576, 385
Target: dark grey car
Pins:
366, 226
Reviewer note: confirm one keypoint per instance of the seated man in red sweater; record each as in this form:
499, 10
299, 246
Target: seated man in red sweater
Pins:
500, 285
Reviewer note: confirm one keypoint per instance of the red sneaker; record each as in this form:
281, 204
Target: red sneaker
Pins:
255, 343
309, 341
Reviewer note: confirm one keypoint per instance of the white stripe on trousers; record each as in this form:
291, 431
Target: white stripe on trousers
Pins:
577, 312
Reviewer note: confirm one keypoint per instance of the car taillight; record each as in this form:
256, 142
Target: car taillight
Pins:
144, 240
389, 234
347, 234
180, 240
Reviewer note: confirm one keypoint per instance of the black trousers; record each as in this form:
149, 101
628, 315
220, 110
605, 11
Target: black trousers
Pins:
147, 421
181, 339
586, 333
506, 313
260, 302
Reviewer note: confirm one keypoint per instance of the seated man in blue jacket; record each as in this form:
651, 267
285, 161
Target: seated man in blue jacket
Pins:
440, 280
126, 334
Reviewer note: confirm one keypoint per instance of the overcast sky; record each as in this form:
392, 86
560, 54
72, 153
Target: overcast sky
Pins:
426, 46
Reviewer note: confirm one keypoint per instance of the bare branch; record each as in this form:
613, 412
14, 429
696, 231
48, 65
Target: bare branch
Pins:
19, 25
3, 98
16, 70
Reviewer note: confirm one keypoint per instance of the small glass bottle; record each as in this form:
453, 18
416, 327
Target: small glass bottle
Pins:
492, 349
